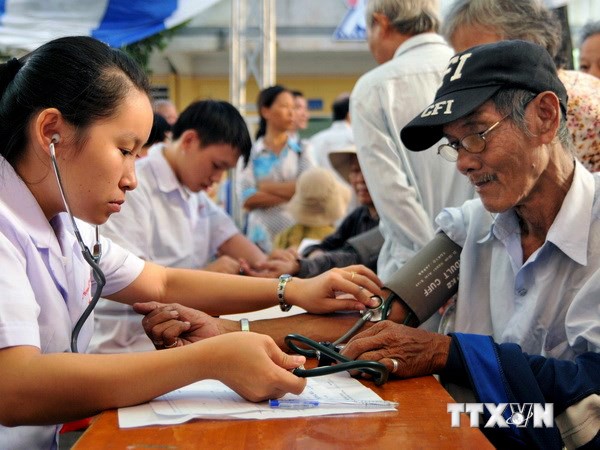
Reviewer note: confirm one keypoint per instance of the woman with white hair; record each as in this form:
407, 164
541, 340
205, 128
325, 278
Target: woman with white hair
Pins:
474, 22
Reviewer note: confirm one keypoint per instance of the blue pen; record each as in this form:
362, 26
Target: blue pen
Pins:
307, 404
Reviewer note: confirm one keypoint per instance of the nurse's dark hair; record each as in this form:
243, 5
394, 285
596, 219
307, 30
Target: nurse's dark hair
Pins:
80, 76
216, 122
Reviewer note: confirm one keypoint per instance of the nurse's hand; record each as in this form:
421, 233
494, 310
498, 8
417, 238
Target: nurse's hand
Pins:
416, 351
253, 366
173, 325
326, 292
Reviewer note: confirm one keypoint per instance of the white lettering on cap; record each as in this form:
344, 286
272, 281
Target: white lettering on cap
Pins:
434, 109
460, 63
459, 67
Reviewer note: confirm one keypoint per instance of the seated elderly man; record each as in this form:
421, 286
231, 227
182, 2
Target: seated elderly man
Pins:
525, 327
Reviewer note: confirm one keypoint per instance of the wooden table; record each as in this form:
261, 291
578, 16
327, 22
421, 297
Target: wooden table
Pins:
422, 421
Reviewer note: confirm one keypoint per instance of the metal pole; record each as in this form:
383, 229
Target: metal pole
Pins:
268, 44
234, 54
238, 68
237, 62
237, 91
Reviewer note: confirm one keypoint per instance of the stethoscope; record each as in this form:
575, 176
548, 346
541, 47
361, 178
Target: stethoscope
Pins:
327, 353
93, 259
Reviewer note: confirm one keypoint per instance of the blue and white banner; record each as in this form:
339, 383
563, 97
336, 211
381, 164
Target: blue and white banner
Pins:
353, 26
26, 24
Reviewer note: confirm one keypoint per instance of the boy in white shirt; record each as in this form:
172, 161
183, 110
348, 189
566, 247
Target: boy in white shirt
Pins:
170, 220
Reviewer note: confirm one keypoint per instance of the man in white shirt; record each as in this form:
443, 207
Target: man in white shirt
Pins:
170, 220
335, 137
404, 185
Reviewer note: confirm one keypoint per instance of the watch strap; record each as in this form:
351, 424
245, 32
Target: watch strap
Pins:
283, 281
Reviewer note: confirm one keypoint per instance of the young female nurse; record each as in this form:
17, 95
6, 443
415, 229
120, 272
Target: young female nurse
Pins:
78, 112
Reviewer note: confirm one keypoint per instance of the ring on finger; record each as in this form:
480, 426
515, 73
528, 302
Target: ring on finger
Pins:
394, 365
171, 345
352, 277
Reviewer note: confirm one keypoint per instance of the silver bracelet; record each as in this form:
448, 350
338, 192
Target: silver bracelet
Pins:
245, 324
283, 280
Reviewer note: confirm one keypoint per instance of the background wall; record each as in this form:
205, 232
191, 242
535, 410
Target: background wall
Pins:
195, 64
184, 89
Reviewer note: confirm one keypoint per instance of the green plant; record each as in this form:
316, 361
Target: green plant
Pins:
4, 56
141, 50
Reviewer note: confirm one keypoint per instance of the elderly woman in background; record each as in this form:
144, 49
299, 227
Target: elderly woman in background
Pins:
589, 50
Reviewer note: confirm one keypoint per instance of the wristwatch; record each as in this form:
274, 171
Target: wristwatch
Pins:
283, 280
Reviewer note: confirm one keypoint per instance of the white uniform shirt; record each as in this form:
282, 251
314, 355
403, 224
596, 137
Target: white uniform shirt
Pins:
408, 188
46, 285
163, 222
549, 304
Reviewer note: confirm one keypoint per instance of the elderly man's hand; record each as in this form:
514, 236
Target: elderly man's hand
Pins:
174, 325
418, 352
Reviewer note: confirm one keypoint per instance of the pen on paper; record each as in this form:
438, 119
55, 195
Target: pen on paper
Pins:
306, 404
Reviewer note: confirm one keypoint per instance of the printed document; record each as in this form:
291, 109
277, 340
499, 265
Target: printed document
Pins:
211, 399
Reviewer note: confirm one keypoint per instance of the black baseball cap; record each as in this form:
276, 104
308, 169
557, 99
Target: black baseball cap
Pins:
474, 76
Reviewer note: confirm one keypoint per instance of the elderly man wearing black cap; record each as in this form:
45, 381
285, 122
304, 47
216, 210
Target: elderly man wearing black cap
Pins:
525, 328
530, 261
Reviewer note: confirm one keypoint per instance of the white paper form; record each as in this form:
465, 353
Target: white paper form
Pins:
211, 399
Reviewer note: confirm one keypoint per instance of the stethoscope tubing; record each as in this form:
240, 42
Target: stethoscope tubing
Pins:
92, 260
100, 282
375, 369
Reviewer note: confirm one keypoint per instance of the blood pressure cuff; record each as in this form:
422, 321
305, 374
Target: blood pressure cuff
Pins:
367, 245
430, 278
